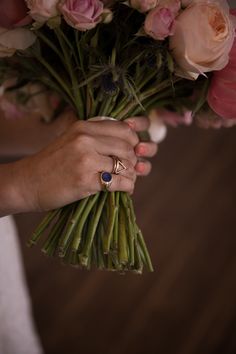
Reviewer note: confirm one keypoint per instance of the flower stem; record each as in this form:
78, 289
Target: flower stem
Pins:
78, 232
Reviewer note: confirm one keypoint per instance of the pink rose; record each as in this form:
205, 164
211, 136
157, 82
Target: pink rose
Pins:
15, 39
203, 38
13, 13
143, 5
42, 10
82, 14
222, 91
160, 22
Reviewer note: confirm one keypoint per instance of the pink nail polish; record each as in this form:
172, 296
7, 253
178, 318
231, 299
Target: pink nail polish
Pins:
141, 167
141, 150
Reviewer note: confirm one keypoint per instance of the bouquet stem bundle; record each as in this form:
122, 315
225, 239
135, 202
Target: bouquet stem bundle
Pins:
100, 230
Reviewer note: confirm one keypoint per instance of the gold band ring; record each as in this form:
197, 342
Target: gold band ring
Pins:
118, 166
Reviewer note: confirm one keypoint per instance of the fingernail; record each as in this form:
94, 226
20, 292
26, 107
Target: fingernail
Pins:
140, 167
141, 150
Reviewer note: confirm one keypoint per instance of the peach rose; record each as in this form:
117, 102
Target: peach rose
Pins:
15, 39
42, 10
203, 38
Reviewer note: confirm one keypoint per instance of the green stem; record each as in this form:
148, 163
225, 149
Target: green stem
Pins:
78, 232
113, 209
145, 250
76, 92
116, 227
43, 226
143, 96
93, 228
138, 268
122, 241
50, 245
71, 227
130, 223
56, 77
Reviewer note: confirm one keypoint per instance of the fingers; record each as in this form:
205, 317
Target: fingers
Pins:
109, 128
113, 146
143, 168
107, 164
139, 124
122, 184
119, 183
146, 149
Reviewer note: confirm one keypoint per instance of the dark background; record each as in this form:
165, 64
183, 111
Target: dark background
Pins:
187, 210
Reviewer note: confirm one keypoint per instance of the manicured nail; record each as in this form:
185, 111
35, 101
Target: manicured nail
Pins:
140, 167
141, 150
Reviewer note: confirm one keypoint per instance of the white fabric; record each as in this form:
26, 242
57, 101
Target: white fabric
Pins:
17, 333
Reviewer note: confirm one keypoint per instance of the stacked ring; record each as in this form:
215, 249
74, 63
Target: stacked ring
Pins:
118, 166
107, 178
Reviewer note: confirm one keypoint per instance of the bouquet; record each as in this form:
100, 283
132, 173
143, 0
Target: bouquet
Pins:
116, 59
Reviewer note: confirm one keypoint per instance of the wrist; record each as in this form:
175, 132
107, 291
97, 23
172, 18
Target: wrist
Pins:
15, 189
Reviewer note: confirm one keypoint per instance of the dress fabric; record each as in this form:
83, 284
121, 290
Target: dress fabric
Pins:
17, 331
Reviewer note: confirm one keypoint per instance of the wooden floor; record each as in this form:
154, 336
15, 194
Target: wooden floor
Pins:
187, 210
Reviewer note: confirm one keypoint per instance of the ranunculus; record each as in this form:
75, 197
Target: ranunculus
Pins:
13, 13
82, 14
15, 39
143, 5
203, 38
42, 10
160, 22
222, 92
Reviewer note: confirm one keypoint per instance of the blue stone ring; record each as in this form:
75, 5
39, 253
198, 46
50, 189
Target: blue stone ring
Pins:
106, 179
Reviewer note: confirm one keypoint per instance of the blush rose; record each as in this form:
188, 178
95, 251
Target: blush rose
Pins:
160, 22
82, 14
203, 38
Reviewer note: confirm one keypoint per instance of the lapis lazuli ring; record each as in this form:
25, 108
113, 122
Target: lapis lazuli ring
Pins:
106, 179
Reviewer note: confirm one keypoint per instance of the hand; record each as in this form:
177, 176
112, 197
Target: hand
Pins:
69, 168
144, 149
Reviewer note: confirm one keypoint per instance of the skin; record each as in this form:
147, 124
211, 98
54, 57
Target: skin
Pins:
68, 168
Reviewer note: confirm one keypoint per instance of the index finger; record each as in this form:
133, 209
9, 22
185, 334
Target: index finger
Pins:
139, 124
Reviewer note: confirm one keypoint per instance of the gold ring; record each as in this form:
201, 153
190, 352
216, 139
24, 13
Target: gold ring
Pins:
118, 166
